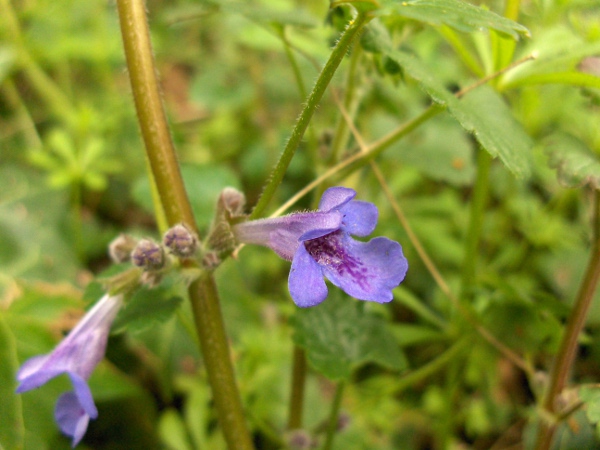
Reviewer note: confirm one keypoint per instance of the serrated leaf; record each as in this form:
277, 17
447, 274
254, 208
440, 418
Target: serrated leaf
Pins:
338, 336
481, 112
146, 308
456, 14
11, 412
574, 162
484, 113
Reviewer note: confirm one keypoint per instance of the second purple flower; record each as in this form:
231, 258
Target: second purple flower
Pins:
319, 244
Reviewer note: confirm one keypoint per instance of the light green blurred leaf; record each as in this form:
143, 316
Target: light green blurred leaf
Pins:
171, 429
456, 14
590, 395
338, 337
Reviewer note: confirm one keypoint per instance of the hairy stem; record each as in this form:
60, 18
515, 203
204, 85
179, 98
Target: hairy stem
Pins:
161, 155
312, 102
151, 114
568, 347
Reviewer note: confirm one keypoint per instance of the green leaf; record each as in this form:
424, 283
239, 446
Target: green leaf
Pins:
590, 395
484, 113
456, 14
11, 414
481, 112
339, 336
147, 308
575, 164
171, 429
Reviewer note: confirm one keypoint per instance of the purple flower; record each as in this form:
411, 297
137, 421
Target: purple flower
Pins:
77, 356
319, 244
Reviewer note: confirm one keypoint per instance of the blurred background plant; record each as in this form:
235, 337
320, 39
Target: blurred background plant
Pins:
465, 349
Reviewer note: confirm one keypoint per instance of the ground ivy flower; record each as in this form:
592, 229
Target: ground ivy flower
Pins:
77, 356
319, 244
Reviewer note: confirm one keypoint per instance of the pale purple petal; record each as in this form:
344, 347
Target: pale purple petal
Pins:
283, 234
360, 218
71, 417
368, 270
84, 395
335, 198
79, 352
305, 282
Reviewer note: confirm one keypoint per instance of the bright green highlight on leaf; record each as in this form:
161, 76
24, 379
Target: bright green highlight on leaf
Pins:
456, 14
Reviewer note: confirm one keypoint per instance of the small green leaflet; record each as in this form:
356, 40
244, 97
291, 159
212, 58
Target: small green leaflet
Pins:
339, 336
456, 14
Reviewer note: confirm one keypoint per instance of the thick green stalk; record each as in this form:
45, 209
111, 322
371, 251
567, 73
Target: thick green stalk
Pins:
151, 115
215, 350
334, 415
569, 343
173, 197
312, 102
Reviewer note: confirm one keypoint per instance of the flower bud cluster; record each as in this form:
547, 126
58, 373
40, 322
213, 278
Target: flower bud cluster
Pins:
181, 242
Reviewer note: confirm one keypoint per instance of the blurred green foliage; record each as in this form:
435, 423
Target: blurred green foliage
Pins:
234, 76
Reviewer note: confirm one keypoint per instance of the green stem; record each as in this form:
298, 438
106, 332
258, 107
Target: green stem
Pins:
473, 238
334, 415
297, 391
431, 367
173, 197
215, 350
312, 138
312, 102
568, 347
151, 115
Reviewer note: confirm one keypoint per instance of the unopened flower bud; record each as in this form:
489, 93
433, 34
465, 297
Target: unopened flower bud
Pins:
181, 241
148, 255
232, 201
121, 247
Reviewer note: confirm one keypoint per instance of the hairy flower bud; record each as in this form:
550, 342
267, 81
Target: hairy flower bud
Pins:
232, 202
121, 247
148, 255
181, 241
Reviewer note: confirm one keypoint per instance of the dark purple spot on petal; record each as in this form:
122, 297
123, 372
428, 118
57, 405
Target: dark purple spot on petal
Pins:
329, 251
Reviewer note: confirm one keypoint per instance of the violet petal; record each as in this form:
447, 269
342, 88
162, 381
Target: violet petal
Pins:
335, 198
71, 417
306, 284
370, 270
360, 218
